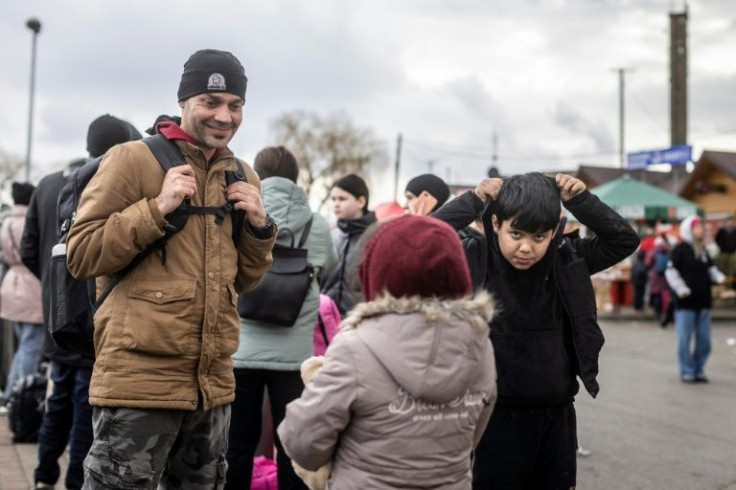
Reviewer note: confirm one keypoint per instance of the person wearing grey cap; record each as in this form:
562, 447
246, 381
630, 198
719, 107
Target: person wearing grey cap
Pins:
162, 382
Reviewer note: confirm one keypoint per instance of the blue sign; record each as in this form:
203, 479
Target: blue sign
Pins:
674, 155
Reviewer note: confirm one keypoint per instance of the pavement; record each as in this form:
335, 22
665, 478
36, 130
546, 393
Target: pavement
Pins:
17, 461
646, 430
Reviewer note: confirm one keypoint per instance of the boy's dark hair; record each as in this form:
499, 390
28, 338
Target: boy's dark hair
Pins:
276, 161
531, 201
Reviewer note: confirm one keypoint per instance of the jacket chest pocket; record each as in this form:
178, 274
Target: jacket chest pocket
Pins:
160, 318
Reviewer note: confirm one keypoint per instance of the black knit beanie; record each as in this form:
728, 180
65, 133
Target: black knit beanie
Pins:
107, 131
354, 185
211, 70
432, 184
22, 192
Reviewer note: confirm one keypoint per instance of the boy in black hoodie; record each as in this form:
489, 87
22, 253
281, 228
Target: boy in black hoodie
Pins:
545, 332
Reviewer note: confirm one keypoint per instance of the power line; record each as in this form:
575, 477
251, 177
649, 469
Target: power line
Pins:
450, 147
450, 151
652, 118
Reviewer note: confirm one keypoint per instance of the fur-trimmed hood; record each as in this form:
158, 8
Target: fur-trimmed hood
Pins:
431, 347
477, 310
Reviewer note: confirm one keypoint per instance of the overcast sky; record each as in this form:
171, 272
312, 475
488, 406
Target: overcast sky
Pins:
447, 74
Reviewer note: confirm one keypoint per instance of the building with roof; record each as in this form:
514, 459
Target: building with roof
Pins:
712, 184
594, 176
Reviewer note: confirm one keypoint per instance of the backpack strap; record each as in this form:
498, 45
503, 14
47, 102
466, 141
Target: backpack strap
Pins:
305, 233
169, 156
238, 215
166, 152
323, 329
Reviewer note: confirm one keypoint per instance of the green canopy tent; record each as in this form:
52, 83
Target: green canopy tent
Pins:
634, 199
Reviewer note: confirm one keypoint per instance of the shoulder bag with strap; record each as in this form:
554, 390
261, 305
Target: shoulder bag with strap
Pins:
279, 297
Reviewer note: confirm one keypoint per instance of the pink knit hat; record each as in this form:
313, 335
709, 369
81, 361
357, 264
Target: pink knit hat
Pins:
415, 255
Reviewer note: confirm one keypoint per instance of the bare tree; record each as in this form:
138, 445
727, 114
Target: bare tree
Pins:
328, 147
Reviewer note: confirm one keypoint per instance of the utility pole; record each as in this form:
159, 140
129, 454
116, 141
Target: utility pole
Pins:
397, 165
430, 166
493, 169
621, 116
494, 156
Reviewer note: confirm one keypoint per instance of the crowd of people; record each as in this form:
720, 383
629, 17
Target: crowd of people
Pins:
466, 322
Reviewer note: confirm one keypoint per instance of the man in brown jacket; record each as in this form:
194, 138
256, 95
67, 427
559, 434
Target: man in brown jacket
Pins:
163, 381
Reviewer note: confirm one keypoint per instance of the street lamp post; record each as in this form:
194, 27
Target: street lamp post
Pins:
34, 25
621, 128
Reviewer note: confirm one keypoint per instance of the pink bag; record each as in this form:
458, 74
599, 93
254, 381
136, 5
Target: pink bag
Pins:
328, 321
264, 474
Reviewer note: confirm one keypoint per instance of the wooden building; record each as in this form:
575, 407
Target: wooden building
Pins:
712, 184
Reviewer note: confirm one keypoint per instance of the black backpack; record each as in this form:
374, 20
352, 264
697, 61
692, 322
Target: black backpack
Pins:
73, 302
26, 406
279, 297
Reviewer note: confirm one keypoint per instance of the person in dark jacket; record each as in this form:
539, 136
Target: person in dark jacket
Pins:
726, 241
67, 419
349, 196
425, 194
690, 273
659, 293
545, 332
639, 274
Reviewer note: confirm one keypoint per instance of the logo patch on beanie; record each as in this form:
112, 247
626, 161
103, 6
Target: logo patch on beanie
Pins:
216, 82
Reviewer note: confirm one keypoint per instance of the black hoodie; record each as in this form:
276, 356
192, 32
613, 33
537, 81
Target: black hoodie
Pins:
530, 334
342, 284
562, 281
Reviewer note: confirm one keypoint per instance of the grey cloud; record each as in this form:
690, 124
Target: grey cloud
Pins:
577, 124
327, 56
475, 98
710, 111
290, 64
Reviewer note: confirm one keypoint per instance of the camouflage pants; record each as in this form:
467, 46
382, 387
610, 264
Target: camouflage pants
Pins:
140, 449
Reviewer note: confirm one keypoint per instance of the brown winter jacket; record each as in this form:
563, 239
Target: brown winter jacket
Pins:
167, 332
405, 393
